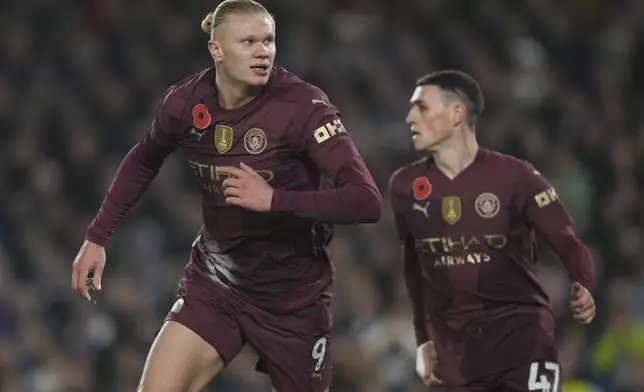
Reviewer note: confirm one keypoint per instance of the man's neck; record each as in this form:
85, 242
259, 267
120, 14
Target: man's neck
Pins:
233, 94
459, 153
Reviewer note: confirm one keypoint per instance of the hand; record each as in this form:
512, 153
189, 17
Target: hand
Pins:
246, 188
90, 258
582, 304
426, 361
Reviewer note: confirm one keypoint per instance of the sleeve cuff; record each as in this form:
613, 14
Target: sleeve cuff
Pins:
281, 200
95, 235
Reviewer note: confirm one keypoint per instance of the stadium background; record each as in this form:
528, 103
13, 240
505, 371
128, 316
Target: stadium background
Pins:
78, 84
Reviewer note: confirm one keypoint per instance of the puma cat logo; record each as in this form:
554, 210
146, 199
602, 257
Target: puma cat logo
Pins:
193, 131
418, 207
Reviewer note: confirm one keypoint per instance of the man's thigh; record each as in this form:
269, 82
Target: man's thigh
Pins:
294, 349
179, 361
210, 312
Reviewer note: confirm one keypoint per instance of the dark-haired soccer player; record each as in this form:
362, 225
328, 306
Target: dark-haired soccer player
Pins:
276, 168
466, 218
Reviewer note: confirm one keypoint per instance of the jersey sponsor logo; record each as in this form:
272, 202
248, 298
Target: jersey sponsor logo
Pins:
223, 138
423, 209
328, 130
463, 250
422, 188
212, 179
463, 243
487, 205
451, 209
212, 172
255, 141
546, 197
200, 116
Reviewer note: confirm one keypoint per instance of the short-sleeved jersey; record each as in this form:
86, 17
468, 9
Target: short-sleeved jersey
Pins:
293, 137
474, 237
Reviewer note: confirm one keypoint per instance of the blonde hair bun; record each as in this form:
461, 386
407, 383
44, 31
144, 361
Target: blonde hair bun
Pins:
206, 24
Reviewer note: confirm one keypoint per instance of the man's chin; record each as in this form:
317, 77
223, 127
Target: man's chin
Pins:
419, 145
428, 147
256, 80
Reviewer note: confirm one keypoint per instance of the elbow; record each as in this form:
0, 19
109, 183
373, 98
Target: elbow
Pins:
371, 206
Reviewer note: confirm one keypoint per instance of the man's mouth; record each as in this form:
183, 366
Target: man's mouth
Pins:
260, 69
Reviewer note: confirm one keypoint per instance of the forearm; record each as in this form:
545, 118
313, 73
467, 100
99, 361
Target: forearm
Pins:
575, 256
136, 172
348, 204
354, 199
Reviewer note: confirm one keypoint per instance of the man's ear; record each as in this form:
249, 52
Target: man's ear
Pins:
215, 50
459, 114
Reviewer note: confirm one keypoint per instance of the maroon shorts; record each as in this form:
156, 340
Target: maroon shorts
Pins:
293, 348
536, 376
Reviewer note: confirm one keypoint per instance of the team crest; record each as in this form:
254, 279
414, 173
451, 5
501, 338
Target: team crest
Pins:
255, 141
223, 138
487, 205
451, 209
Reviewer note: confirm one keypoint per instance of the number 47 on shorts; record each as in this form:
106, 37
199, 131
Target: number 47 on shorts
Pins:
539, 380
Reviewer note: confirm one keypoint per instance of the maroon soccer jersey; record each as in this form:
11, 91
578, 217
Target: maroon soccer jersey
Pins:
470, 261
293, 137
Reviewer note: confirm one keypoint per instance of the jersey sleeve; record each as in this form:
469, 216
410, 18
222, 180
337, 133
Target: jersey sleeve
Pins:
395, 201
412, 274
543, 211
318, 133
538, 202
137, 170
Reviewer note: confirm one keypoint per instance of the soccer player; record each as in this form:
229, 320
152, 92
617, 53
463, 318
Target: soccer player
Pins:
276, 169
466, 218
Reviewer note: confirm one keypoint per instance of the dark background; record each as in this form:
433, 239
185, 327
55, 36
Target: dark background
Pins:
78, 84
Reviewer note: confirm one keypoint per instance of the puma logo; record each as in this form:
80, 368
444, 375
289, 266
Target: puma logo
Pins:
193, 131
418, 207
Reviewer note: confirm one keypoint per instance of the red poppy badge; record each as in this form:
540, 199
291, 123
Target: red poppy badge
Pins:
422, 188
201, 117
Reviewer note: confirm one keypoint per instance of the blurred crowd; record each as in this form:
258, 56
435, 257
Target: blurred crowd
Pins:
79, 81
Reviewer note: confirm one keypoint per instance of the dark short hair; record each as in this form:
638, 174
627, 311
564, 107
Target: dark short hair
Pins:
460, 84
